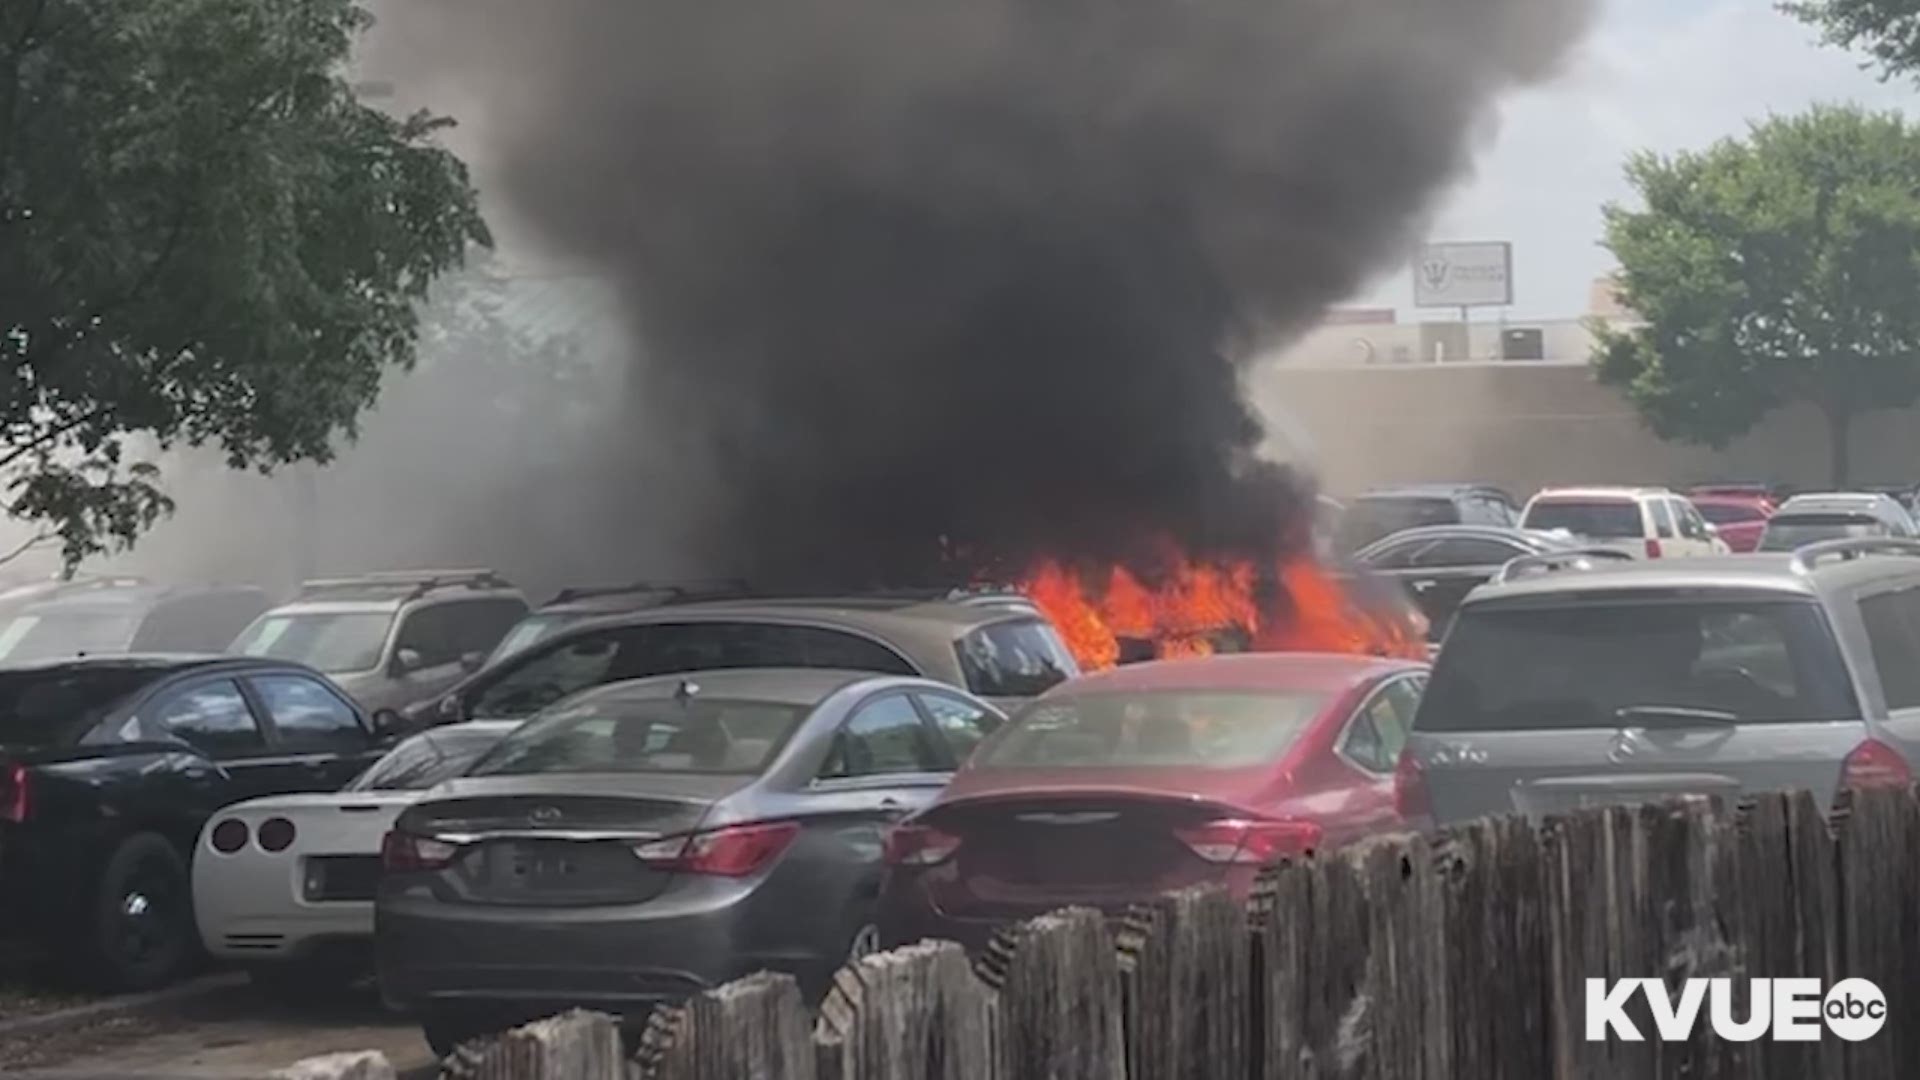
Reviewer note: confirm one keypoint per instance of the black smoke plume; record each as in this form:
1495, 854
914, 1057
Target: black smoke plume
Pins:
923, 276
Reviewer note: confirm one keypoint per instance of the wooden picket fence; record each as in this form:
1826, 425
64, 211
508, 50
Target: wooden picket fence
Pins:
1457, 956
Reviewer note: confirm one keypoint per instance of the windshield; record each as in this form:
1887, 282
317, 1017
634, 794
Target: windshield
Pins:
1614, 519
429, 758
336, 642
1578, 666
1208, 729
50, 708
1787, 533
530, 631
1369, 519
51, 635
1015, 659
1729, 513
703, 735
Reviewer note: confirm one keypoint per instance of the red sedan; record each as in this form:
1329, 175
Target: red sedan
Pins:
1117, 786
1740, 519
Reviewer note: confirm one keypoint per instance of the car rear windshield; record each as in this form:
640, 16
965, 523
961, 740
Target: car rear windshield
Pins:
1015, 659
336, 642
1581, 665
1369, 519
1204, 728
1729, 513
1599, 519
53, 707
427, 759
54, 635
1791, 531
703, 735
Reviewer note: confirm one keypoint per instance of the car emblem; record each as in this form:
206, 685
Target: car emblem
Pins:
544, 815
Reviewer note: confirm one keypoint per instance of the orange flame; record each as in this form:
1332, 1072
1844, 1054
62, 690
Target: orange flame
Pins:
1196, 603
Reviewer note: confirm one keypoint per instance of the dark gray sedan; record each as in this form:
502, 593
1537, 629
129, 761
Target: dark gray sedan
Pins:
646, 840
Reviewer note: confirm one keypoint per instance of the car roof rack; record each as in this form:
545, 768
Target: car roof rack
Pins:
678, 590
412, 584
1549, 562
1807, 556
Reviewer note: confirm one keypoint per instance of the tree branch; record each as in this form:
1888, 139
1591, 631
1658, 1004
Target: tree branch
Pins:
32, 542
40, 441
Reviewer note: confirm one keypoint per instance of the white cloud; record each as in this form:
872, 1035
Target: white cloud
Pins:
1656, 74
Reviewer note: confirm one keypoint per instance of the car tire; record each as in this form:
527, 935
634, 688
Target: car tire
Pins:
140, 934
866, 942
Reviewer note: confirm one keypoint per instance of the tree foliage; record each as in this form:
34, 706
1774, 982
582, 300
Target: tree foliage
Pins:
1779, 268
205, 238
1887, 30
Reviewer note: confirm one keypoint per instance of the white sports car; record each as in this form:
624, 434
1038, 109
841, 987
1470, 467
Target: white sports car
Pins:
285, 884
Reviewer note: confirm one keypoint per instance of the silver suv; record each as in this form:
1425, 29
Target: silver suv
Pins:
1563, 686
390, 639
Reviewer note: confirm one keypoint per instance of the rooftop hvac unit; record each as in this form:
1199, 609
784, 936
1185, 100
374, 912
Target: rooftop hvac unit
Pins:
1523, 344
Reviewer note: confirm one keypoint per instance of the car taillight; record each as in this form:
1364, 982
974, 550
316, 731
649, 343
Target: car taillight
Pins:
1410, 797
735, 851
16, 794
229, 836
1653, 548
402, 852
918, 845
276, 834
1875, 764
1238, 840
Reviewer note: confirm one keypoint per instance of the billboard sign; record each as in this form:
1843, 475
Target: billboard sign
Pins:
1475, 274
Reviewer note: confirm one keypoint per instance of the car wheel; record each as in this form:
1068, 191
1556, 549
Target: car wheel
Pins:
866, 942
141, 935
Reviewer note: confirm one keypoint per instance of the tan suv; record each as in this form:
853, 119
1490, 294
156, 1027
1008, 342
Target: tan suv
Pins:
998, 646
1647, 523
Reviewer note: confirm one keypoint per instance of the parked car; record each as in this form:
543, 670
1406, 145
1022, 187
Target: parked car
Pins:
283, 885
1739, 520
1375, 514
390, 639
110, 765
1131, 782
1644, 521
647, 840
114, 615
1438, 565
995, 645
1566, 688
577, 605
1749, 490
1806, 519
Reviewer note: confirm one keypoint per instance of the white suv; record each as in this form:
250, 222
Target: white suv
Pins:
1651, 523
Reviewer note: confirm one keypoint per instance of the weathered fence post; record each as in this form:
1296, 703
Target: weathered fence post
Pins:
755, 1027
360, 1065
1184, 987
572, 1046
1312, 927
1879, 843
1059, 998
916, 1013
1491, 963
1405, 948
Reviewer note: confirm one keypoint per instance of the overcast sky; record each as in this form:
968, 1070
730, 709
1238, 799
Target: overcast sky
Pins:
1659, 74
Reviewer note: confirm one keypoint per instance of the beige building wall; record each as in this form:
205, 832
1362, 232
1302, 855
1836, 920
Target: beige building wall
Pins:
1527, 426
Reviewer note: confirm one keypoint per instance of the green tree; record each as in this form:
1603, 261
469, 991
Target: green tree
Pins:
1780, 268
1888, 30
205, 239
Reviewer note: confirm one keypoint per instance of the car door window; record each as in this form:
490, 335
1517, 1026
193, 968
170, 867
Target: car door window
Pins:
1467, 551
1892, 621
962, 724
1663, 525
882, 737
1379, 732
1402, 555
1691, 524
534, 680
430, 632
476, 626
308, 716
212, 717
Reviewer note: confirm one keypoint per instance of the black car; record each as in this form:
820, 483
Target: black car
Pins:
1380, 513
109, 766
647, 840
1439, 565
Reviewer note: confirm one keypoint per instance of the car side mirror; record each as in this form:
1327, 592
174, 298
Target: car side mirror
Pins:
452, 710
407, 661
473, 661
385, 722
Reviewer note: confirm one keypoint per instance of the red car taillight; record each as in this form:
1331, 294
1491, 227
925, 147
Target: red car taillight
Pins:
16, 794
1653, 548
1875, 764
919, 845
403, 852
736, 851
1410, 798
1238, 840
